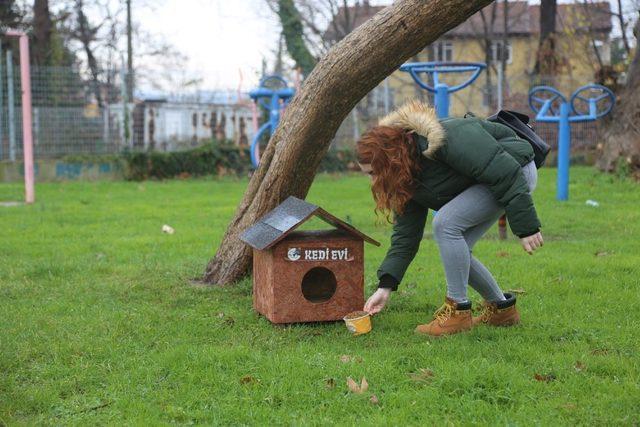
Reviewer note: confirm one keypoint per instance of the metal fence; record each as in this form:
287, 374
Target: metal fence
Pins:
75, 114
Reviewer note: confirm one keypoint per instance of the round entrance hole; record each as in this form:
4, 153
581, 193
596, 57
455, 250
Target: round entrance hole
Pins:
319, 284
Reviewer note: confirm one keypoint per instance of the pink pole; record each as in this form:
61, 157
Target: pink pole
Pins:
25, 80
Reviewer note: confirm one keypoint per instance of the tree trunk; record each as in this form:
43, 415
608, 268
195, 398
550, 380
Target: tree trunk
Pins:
293, 36
622, 136
86, 34
130, 76
42, 32
546, 61
348, 72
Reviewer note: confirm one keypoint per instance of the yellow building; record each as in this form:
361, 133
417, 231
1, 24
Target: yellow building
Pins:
582, 46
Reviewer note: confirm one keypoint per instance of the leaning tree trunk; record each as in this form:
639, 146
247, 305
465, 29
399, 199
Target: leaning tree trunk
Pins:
622, 135
351, 69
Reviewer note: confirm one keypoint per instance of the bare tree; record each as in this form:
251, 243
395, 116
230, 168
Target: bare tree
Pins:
621, 148
343, 76
490, 35
86, 34
546, 61
11, 15
42, 33
488, 23
293, 34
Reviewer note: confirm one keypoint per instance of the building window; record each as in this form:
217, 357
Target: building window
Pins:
442, 51
497, 51
603, 51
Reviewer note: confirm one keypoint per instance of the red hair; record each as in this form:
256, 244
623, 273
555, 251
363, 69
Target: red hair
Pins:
395, 163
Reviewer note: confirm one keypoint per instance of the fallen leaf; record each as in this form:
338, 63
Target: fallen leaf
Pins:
518, 291
355, 388
602, 253
544, 378
374, 399
579, 366
330, 383
345, 358
502, 254
422, 375
248, 379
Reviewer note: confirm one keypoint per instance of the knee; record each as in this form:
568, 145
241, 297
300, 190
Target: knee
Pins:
442, 227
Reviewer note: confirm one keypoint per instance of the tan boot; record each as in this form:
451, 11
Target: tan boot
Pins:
501, 313
451, 318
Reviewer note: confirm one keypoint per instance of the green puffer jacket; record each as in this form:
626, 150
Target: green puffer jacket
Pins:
458, 153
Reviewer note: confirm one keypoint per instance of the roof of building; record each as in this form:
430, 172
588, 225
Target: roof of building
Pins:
293, 212
524, 18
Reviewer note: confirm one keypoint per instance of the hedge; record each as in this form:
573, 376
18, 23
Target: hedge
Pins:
212, 159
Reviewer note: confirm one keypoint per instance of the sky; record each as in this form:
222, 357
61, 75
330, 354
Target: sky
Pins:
221, 38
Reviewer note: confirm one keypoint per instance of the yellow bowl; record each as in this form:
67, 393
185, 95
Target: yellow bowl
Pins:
358, 322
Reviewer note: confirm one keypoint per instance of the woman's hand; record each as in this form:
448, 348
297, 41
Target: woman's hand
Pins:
377, 301
531, 243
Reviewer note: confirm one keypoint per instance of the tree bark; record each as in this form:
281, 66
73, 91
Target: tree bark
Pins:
546, 61
351, 69
292, 30
42, 33
87, 34
622, 135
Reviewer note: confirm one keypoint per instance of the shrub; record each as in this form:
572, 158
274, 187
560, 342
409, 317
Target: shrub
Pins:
212, 159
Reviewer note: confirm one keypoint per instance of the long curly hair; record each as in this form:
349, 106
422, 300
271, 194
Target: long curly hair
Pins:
395, 163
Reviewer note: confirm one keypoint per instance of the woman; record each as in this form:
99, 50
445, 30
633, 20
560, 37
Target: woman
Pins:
471, 171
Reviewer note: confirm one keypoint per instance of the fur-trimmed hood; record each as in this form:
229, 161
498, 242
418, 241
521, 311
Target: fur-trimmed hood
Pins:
421, 118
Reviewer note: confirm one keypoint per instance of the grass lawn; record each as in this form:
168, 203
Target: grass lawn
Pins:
98, 324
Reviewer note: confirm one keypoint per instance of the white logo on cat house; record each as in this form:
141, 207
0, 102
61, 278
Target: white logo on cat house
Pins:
293, 254
320, 254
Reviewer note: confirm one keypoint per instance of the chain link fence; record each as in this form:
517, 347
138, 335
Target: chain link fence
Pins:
77, 114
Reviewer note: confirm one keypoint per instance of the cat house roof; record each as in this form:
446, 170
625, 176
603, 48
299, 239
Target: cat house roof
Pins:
288, 216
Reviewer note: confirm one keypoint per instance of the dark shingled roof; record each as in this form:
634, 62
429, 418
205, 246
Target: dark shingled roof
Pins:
524, 19
285, 218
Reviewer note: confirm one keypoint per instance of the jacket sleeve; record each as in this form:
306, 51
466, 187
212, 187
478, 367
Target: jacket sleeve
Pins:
497, 130
475, 153
408, 229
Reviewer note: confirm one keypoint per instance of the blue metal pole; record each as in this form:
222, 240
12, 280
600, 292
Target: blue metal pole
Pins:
442, 101
256, 141
564, 149
274, 113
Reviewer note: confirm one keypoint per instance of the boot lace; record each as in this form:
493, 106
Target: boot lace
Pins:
444, 313
487, 312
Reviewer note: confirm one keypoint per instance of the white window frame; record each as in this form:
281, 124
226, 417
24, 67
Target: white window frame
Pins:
494, 48
442, 49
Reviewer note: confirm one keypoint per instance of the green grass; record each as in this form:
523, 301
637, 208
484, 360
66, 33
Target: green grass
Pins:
98, 323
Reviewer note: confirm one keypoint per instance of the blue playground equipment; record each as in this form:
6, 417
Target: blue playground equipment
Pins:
440, 89
273, 94
588, 103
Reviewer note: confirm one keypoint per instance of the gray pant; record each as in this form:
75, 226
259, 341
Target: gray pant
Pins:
458, 226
